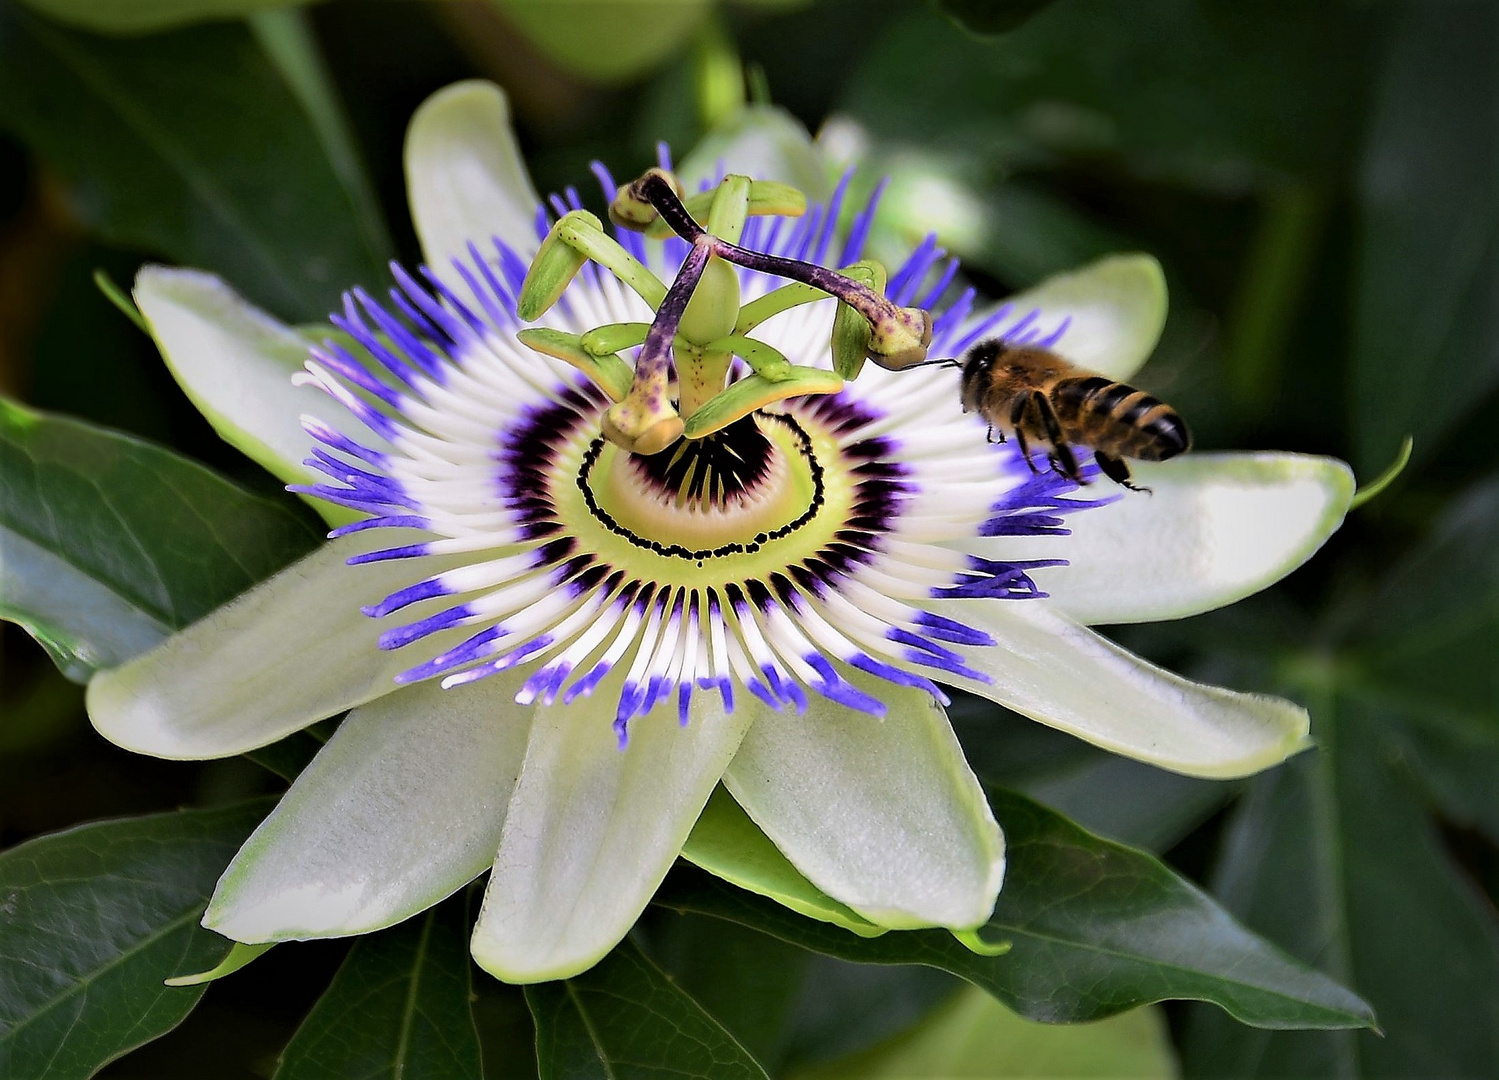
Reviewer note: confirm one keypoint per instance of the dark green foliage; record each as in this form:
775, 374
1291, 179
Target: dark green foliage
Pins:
398, 1008
1427, 317
119, 541
1096, 928
1341, 857
93, 920
626, 1019
986, 17
188, 144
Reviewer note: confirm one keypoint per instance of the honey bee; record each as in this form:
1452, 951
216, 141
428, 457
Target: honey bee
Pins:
1039, 397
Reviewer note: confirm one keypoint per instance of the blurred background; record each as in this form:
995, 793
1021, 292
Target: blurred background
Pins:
1320, 181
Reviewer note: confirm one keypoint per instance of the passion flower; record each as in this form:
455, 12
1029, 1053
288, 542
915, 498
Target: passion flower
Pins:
616, 522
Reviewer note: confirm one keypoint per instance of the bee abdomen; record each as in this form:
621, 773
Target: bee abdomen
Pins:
1168, 435
1117, 418
1150, 429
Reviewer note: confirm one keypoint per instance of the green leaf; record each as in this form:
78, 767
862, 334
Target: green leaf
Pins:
1114, 796
290, 43
1426, 648
1178, 90
1430, 633
754, 985
398, 1008
108, 542
1426, 329
972, 1035
190, 144
1333, 856
625, 1018
845, 1008
93, 920
144, 16
1097, 927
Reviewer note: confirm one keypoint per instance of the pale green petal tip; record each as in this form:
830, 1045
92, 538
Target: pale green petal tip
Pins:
239, 955
190, 310
1118, 308
1343, 493
1290, 723
980, 902
465, 178
121, 709
910, 841
518, 972
308, 914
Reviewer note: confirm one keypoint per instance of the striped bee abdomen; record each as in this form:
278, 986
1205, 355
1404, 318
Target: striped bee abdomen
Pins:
1117, 419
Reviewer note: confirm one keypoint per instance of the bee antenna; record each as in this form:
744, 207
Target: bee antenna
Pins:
945, 362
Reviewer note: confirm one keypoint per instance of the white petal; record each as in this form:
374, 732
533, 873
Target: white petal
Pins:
1052, 670
762, 142
465, 179
727, 843
1215, 528
291, 651
236, 362
1117, 306
881, 814
402, 807
592, 830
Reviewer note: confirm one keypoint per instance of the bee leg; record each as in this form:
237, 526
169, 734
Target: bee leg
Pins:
1063, 460
1116, 470
1017, 421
